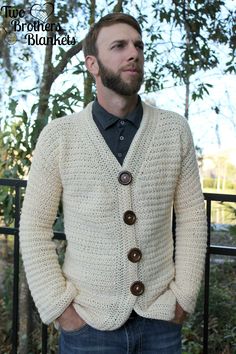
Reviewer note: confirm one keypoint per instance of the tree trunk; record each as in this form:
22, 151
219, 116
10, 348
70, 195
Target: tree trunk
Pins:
5, 48
50, 74
45, 87
187, 94
88, 85
88, 80
187, 43
47, 78
118, 7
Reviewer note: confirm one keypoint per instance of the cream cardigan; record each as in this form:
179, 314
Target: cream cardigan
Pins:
73, 161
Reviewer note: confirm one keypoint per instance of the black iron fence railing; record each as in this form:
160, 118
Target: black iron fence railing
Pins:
17, 185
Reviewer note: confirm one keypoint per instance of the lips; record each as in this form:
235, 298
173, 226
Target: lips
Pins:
132, 69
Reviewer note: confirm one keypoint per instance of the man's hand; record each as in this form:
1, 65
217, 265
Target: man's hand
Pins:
180, 314
70, 320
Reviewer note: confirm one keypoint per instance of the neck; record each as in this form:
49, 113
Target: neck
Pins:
116, 104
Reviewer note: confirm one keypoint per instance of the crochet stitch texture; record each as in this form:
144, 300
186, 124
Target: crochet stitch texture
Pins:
73, 161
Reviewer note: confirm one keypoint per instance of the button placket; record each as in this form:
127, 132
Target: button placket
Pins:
129, 217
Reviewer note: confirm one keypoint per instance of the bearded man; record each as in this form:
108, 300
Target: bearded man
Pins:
119, 167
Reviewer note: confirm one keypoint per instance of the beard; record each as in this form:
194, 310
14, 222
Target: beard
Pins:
114, 82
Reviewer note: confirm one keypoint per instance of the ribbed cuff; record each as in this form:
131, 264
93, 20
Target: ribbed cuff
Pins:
186, 302
59, 305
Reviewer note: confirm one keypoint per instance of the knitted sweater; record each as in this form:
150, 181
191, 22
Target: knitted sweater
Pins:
72, 161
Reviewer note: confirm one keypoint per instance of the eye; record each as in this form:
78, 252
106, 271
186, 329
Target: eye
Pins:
118, 45
140, 46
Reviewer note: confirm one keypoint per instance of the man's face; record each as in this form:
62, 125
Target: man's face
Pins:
120, 59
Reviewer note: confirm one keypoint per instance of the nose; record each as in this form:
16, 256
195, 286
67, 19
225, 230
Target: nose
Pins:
133, 54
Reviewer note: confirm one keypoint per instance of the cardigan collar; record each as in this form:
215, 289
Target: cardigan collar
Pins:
140, 145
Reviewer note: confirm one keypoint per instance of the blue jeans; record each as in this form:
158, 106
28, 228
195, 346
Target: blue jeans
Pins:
137, 336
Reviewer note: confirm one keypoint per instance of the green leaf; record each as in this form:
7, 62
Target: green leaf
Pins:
12, 106
33, 108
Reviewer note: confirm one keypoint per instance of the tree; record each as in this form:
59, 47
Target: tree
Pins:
189, 31
46, 82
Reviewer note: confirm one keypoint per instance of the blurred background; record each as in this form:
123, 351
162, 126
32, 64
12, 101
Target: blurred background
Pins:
189, 68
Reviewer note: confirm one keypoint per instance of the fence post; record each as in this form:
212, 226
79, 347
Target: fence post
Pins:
16, 273
44, 339
207, 280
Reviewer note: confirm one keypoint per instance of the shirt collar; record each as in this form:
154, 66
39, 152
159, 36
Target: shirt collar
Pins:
107, 119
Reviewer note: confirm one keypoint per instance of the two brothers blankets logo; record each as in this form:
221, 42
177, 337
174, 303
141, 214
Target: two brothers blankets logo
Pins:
32, 24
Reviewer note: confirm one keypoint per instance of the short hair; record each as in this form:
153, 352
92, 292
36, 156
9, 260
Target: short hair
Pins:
89, 42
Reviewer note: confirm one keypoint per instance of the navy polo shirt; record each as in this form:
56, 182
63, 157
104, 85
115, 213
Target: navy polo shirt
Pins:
117, 132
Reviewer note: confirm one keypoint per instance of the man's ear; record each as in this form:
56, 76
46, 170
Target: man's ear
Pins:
92, 65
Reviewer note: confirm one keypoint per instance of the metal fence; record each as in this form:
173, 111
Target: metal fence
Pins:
17, 185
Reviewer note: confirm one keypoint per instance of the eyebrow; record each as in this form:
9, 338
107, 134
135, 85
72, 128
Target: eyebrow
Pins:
123, 41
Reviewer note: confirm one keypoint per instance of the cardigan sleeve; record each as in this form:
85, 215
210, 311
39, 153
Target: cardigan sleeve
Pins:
51, 292
191, 231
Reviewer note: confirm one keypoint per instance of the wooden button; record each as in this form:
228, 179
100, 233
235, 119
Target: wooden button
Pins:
137, 288
135, 255
125, 177
129, 217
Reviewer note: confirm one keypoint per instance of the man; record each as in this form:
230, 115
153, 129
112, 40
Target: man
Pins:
119, 166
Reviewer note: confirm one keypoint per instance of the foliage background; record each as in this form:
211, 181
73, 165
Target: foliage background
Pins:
186, 41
